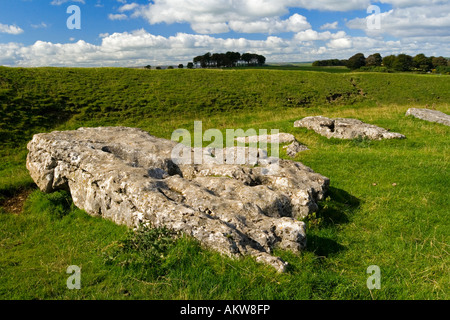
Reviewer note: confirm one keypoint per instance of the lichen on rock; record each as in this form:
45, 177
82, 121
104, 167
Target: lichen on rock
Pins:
343, 128
128, 176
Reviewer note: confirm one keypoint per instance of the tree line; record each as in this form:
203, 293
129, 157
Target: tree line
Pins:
401, 62
229, 59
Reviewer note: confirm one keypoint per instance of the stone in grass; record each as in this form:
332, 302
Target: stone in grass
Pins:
292, 150
280, 137
429, 115
128, 176
342, 128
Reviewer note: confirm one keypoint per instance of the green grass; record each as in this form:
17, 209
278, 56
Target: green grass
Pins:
365, 220
299, 67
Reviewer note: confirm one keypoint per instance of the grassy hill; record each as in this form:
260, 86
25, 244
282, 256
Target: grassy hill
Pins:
388, 203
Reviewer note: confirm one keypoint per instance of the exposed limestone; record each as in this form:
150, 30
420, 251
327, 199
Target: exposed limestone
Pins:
280, 138
341, 128
430, 115
129, 177
294, 148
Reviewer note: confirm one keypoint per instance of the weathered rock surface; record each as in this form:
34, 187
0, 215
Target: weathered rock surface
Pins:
280, 138
342, 128
295, 148
129, 177
292, 150
430, 115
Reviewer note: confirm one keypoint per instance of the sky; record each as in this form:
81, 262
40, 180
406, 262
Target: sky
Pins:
131, 33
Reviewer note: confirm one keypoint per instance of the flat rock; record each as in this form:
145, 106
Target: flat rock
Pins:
430, 115
128, 176
280, 138
295, 148
342, 128
292, 149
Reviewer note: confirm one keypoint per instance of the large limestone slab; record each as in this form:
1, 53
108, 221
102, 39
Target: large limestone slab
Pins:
430, 115
342, 128
129, 177
292, 149
269, 138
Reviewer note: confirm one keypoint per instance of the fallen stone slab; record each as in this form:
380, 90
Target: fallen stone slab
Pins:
294, 149
128, 176
342, 128
280, 138
429, 115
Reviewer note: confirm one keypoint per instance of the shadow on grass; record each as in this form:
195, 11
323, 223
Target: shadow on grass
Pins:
323, 247
7, 194
322, 226
337, 206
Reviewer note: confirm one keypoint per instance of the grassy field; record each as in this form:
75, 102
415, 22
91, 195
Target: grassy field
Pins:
387, 206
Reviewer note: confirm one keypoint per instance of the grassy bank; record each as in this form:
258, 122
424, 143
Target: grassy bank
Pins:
387, 206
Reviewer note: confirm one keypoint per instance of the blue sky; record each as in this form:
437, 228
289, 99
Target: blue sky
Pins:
133, 33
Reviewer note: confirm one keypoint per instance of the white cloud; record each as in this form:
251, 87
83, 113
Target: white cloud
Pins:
240, 15
217, 16
330, 26
418, 21
128, 7
140, 48
341, 43
8, 53
10, 29
413, 3
312, 35
118, 16
210, 28
41, 25
295, 23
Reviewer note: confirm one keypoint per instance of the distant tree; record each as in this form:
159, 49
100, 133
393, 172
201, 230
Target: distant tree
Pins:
217, 60
158, 68
422, 62
148, 67
253, 59
229, 59
261, 60
246, 57
190, 65
233, 58
170, 67
357, 61
206, 60
180, 66
403, 62
197, 60
329, 63
439, 62
388, 61
374, 60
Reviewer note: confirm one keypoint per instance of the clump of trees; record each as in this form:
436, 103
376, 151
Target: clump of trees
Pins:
401, 62
228, 60
330, 63
420, 62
